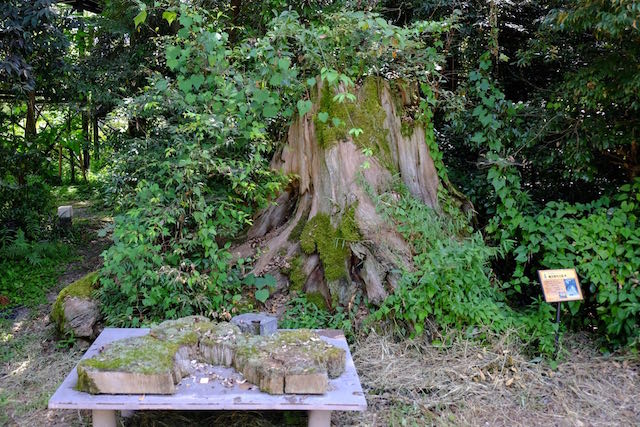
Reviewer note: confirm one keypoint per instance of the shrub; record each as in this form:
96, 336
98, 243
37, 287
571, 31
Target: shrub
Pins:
601, 240
452, 279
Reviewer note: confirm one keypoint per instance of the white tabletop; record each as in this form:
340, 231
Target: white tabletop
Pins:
344, 393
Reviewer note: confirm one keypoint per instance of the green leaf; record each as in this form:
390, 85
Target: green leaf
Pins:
276, 79
169, 16
262, 295
323, 116
270, 110
284, 63
140, 18
304, 106
197, 81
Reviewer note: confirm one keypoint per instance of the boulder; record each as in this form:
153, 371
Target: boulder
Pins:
75, 312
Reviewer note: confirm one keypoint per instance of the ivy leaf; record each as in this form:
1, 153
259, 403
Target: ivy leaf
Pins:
197, 81
184, 85
311, 81
169, 16
323, 116
336, 121
276, 79
304, 106
355, 132
262, 295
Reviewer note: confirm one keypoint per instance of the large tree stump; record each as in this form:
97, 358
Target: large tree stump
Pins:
324, 231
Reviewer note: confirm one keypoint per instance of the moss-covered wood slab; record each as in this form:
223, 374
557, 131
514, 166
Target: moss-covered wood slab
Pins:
286, 362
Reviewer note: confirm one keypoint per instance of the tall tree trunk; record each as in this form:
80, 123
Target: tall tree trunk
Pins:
72, 164
85, 142
324, 233
30, 128
96, 136
60, 162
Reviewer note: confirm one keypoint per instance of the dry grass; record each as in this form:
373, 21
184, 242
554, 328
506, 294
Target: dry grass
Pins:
31, 368
413, 383
408, 383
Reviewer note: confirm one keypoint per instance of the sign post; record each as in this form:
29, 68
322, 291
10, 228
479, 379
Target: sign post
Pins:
559, 286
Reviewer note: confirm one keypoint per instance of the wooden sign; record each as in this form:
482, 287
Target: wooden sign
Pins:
560, 285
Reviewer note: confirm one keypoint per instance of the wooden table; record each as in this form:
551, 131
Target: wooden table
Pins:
344, 393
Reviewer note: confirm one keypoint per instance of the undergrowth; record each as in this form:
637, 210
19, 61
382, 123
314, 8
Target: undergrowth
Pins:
30, 269
302, 313
452, 282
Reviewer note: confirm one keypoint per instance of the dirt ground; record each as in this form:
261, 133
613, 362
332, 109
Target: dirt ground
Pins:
408, 383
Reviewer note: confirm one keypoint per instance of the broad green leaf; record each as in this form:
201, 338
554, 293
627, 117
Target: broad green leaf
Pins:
304, 106
262, 295
140, 17
169, 16
323, 116
284, 63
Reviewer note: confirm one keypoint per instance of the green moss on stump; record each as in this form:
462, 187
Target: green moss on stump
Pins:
332, 244
319, 235
81, 288
365, 113
294, 236
297, 278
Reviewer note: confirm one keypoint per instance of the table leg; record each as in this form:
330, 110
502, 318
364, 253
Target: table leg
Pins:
102, 418
319, 418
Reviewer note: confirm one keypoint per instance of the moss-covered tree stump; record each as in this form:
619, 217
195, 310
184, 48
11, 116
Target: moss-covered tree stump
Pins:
297, 361
324, 235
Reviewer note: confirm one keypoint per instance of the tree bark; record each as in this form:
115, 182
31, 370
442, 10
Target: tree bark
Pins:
96, 136
85, 142
72, 164
337, 179
30, 127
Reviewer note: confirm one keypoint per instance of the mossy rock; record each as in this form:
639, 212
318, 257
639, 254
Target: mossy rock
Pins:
285, 362
74, 311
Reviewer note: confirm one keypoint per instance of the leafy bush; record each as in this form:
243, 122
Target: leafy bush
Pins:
602, 241
452, 279
27, 207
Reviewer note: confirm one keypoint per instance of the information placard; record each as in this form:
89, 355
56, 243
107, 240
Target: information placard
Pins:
560, 285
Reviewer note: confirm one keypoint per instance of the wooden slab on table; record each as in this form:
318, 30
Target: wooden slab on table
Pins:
344, 393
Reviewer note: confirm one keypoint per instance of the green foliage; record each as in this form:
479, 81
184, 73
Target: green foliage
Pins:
303, 313
263, 286
30, 269
27, 207
452, 278
601, 240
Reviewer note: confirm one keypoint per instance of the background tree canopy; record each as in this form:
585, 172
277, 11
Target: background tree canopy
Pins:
223, 134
